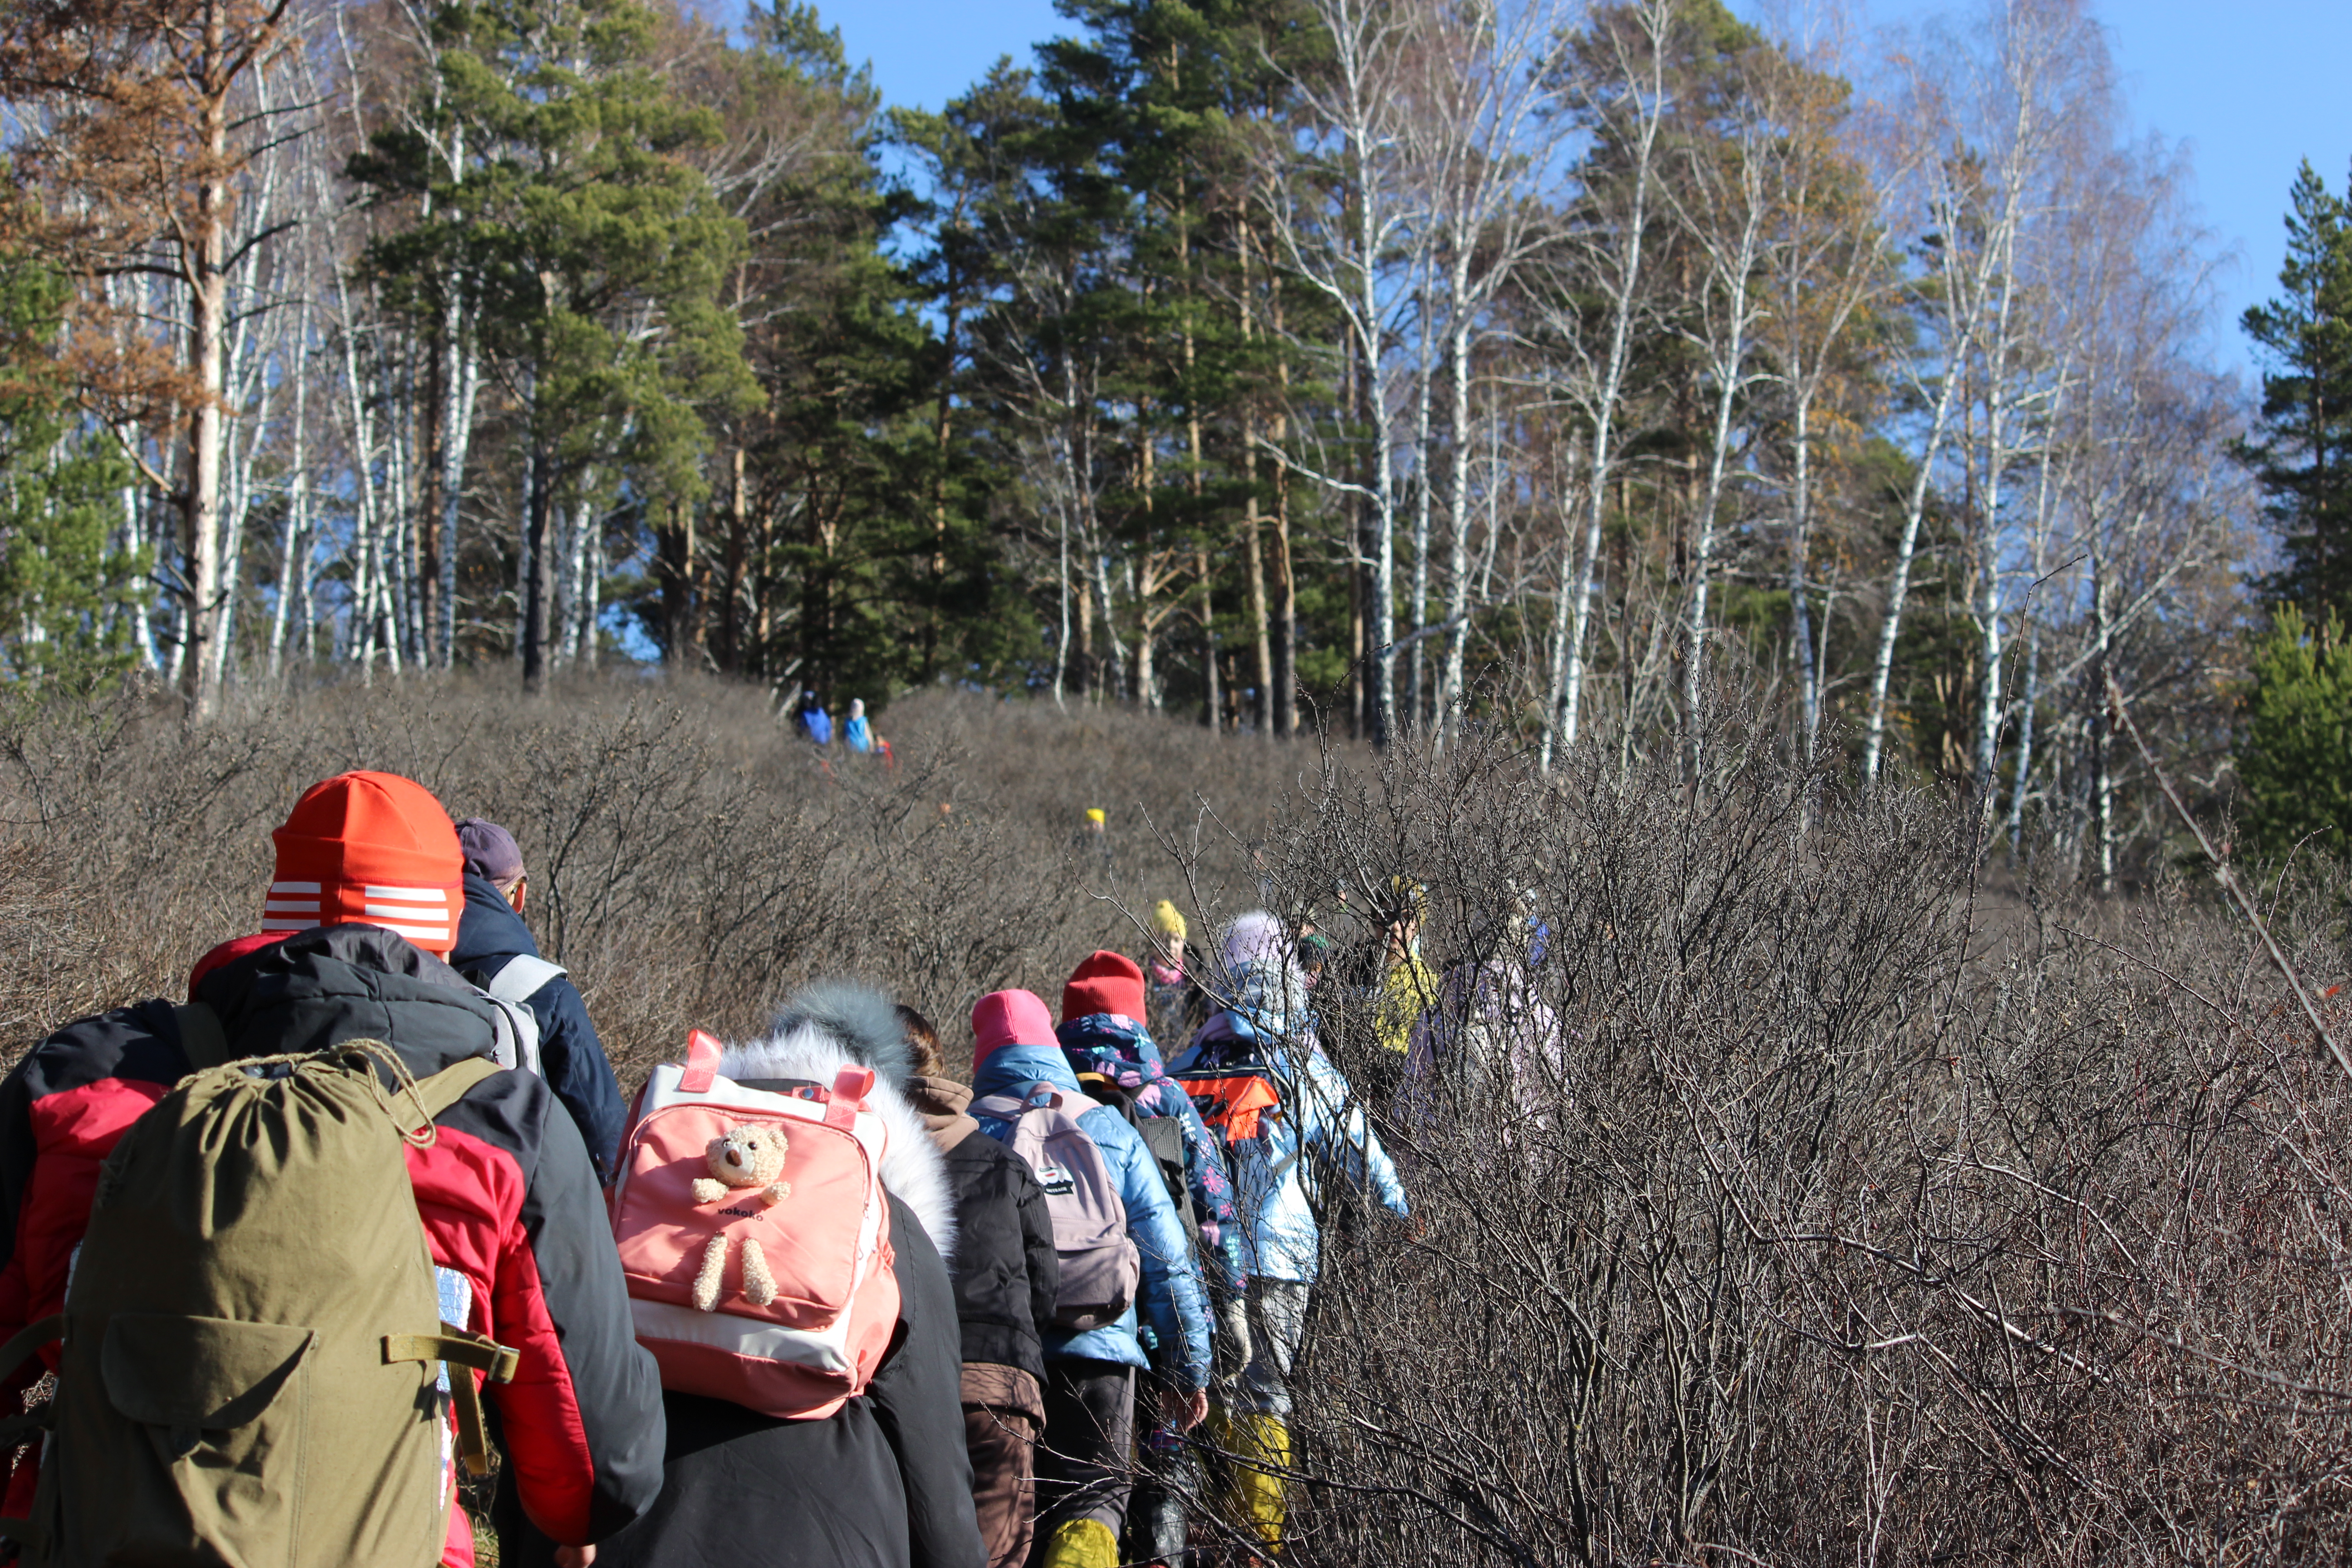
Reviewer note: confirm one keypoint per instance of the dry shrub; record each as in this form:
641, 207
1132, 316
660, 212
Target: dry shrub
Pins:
1809, 1204
691, 859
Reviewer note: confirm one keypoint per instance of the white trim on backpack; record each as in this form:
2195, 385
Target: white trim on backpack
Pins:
523, 977
827, 1352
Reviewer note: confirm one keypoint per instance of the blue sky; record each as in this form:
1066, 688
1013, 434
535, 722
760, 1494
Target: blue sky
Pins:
2250, 86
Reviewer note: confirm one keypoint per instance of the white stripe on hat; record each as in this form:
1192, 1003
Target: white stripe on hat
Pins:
400, 911
416, 933
410, 895
291, 907
295, 888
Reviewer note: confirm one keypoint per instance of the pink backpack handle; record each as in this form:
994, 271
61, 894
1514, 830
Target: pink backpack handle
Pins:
702, 1053
850, 1087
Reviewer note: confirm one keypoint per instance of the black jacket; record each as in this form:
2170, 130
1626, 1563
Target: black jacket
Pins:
512, 1213
883, 1482
489, 933
1006, 1274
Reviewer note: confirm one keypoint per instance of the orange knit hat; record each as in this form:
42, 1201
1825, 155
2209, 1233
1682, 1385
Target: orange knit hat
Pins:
369, 848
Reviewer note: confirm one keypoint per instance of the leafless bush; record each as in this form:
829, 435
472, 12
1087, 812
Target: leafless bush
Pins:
1809, 1204
691, 859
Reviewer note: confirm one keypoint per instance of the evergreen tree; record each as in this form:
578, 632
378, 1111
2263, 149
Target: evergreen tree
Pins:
63, 579
2301, 451
2295, 741
590, 245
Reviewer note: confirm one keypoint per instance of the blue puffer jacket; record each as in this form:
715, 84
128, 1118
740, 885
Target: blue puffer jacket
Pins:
1123, 1051
1174, 1309
1321, 1123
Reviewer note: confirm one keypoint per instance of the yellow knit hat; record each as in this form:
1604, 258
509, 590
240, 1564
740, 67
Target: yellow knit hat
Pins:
1094, 815
1168, 919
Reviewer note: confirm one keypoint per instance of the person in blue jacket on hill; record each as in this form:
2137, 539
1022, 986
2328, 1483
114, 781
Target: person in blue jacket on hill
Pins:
492, 941
1083, 1456
1321, 1134
1102, 1035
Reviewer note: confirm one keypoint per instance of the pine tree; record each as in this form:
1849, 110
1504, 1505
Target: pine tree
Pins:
591, 246
2301, 452
63, 578
2295, 743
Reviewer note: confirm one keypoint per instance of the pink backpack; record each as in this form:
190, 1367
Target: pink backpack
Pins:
755, 1237
1100, 1264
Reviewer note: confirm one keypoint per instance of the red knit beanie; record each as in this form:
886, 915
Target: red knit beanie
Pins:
373, 849
1105, 983
1009, 1018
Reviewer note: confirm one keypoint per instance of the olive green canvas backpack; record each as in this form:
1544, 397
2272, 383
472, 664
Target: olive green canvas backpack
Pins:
250, 1342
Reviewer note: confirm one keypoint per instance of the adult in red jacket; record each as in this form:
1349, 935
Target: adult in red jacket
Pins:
364, 905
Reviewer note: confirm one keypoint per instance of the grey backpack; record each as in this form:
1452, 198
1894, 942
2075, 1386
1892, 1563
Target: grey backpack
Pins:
516, 1033
1100, 1264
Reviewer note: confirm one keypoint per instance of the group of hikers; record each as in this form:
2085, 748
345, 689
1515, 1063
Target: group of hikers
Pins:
815, 721
809, 1299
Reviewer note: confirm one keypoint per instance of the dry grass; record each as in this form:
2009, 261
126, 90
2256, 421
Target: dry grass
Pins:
690, 860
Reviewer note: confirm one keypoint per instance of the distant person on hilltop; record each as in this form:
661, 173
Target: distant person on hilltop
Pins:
1092, 841
495, 950
814, 721
855, 734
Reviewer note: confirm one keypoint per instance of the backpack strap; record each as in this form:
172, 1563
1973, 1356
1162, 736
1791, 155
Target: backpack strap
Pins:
452, 1084
460, 1349
201, 1036
28, 1339
703, 1052
851, 1085
524, 976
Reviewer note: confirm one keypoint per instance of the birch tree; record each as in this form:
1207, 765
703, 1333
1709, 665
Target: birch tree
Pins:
138, 131
1616, 89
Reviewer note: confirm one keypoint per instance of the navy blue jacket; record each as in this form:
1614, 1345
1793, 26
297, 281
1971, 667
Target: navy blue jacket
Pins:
488, 934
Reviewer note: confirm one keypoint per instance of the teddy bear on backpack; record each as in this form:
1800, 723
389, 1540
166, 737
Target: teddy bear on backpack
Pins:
743, 1156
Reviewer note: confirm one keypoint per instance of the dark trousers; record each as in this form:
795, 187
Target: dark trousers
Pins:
1085, 1457
1003, 1444
1168, 1478
1002, 1408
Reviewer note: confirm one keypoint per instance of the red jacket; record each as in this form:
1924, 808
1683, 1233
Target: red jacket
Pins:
513, 1212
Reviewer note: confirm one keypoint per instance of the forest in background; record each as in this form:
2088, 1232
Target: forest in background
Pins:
1574, 369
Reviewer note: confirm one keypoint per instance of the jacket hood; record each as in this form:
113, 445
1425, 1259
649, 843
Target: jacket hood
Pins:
1009, 1069
1270, 993
860, 1019
1114, 1045
912, 1170
350, 981
941, 1102
489, 928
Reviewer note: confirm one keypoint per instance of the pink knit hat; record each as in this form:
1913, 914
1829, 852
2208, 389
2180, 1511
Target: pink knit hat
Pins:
1009, 1018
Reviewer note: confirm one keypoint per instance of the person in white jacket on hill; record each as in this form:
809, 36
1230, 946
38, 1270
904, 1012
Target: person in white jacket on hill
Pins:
1263, 1026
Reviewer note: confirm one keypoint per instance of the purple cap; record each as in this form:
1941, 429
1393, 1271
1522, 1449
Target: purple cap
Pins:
490, 849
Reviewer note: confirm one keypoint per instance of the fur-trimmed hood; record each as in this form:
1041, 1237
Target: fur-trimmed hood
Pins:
862, 1019
809, 1050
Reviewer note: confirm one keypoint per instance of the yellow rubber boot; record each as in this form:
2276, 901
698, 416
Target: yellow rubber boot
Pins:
1082, 1543
1262, 1446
